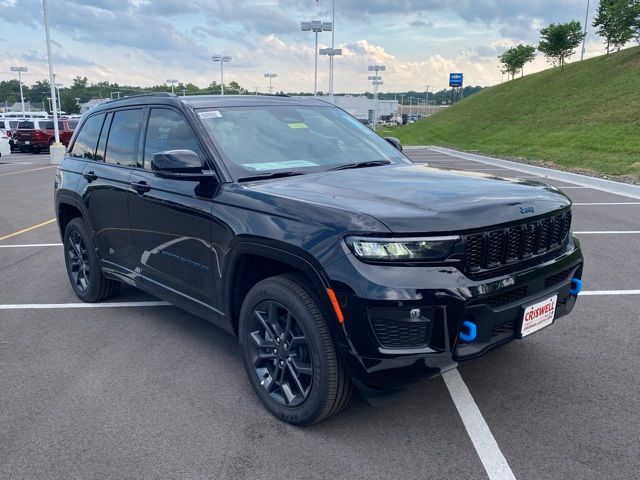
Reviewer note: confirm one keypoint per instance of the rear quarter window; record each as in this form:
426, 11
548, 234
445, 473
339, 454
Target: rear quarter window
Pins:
87, 139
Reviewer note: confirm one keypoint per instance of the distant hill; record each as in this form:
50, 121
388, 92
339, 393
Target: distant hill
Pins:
586, 115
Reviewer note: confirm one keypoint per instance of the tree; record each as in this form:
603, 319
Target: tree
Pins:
516, 57
616, 21
558, 42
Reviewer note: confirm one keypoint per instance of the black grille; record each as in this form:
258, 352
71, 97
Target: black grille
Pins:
502, 329
497, 248
556, 278
394, 334
506, 297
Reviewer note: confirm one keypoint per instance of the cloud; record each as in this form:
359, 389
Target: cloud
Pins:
420, 23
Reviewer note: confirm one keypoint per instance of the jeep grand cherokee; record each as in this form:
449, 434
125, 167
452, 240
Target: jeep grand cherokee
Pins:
339, 263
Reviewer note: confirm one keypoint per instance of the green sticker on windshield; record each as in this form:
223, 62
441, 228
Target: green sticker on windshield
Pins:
297, 125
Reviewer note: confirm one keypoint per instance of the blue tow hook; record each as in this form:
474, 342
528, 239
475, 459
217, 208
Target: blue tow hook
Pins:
468, 331
576, 286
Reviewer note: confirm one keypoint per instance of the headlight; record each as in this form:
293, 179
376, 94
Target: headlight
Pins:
401, 249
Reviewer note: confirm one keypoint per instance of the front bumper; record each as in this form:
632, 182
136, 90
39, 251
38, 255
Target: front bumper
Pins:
386, 346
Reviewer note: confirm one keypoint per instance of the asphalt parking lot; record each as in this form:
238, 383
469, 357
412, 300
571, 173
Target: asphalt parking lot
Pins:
149, 391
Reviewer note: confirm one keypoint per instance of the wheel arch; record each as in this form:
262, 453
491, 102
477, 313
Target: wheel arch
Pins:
249, 262
69, 207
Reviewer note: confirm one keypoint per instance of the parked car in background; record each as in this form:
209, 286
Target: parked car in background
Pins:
5, 148
9, 125
37, 135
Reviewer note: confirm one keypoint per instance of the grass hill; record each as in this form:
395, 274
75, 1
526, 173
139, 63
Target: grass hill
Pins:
585, 116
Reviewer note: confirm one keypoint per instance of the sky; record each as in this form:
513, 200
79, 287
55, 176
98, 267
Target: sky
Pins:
146, 42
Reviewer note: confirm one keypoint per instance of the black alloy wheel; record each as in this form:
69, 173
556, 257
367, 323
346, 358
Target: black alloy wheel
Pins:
85, 274
78, 261
288, 351
280, 354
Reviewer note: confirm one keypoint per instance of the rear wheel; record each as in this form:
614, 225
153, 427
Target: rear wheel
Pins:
86, 276
289, 354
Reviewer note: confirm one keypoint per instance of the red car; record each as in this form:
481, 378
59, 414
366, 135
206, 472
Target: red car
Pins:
38, 134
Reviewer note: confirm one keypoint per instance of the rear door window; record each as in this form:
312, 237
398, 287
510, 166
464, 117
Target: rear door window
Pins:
168, 130
87, 139
122, 145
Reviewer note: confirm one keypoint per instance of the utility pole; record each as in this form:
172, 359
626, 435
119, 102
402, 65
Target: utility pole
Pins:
586, 19
20, 70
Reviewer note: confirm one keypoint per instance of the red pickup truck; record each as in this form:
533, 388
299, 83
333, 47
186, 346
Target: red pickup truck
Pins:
37, 134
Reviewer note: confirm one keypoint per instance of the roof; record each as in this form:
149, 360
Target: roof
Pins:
211, 101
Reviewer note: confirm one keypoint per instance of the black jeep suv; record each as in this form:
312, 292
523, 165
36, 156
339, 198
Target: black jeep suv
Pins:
337, 261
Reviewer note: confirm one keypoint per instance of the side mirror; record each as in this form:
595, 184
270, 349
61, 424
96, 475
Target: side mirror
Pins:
180, 165
395, 142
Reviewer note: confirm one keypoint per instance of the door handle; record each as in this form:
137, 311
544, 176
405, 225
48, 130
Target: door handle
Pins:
140, 187
90, 176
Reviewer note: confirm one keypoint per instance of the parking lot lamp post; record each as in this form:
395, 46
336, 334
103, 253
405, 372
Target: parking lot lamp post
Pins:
58, 87
20, 70
222, 59
270, 76
316, 26
376, 80
172, 82
56, 151
584, 39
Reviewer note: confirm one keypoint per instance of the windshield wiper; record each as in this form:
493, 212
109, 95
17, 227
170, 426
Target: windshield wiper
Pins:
371, 163
266, 175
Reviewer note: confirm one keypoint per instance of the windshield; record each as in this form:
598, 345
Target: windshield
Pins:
293, 138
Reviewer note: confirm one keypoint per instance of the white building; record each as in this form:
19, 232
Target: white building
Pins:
85, 107
362, 107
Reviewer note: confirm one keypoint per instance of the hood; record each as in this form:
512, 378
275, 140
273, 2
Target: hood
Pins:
421, 199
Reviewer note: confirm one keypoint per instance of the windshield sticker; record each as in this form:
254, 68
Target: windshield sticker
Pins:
207, 115
297, 125
279, 165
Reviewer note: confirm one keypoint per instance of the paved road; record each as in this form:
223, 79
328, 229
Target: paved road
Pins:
153, 392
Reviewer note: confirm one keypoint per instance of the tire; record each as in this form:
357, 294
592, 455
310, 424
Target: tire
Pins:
327, 388
85, 275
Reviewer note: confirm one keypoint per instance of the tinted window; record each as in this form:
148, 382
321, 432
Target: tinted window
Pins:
72, 124
85, 144
168, 130
122, 146
102, 144
13, 124
25, 125
49, 126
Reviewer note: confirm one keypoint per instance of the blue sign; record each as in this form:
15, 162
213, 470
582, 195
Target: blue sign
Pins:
455, 79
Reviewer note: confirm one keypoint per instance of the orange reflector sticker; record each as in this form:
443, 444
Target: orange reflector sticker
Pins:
335, 304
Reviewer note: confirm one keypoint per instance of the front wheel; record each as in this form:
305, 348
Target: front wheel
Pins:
288, 352
86, 276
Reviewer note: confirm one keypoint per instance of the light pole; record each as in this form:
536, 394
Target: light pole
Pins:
172, 82
20, 70
56, 151
270, 76
316, 26
376, 80
184, 92
222, 59
331, 52
58, 87
584, 39
410, 107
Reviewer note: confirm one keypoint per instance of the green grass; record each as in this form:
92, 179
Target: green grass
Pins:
585, 116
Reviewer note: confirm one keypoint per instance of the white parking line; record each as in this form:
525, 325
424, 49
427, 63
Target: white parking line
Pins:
492, 458
32, 245
605, 203
610, 292
8, 164
609, 232
42, 306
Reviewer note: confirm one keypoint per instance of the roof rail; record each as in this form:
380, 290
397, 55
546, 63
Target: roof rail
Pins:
149, 94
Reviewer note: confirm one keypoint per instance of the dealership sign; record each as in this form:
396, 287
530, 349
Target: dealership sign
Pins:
455, 79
